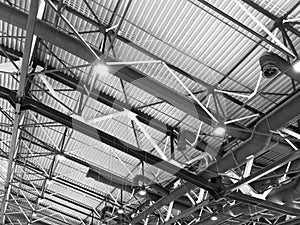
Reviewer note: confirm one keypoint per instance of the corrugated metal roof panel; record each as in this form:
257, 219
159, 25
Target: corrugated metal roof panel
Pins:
184, 33
278, 8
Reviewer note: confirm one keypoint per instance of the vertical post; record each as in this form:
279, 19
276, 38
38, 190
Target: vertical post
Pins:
34, 6
172, 144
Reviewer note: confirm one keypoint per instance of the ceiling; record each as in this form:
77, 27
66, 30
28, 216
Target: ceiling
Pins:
100, 99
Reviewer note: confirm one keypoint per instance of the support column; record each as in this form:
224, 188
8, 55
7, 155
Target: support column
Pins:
34, 6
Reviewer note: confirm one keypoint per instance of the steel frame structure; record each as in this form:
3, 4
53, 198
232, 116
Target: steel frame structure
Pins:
22, 103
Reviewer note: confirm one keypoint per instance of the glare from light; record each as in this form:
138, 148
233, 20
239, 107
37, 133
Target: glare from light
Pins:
120, 211
296, 66
49, 182
142, 192
219, 131
60, 157
214, 218
101, 69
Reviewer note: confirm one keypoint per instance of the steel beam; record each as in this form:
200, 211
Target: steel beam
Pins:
68, 157
295, 221
137, 47
271, 16
30, 26
57, 220
289, 158
50, 113
187, 212
240, 24
272, 121
162, 202
76, 85
142, 81
264, 204
68, 184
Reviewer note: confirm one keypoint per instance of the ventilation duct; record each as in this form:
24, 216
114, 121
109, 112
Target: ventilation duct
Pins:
286, 194
259, 142
262, 184
261, 137
272, 64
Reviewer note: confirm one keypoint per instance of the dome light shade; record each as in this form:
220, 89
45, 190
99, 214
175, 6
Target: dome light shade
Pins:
219, 130
49, 181
142, 192
101, 68
120, 211
214, 218
60, 157
296, 66
40, 200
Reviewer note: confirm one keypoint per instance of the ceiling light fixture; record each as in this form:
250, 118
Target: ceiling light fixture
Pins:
49, 181
60, 157
296, 66
100, 67
142, 192
40, 200
214, 218
120, 211
219, 130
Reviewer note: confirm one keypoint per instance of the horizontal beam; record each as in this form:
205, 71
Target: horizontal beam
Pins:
240, 24
271, 16
142, 81
50, 113
264, 204
102, 29
260, 173
110, 101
